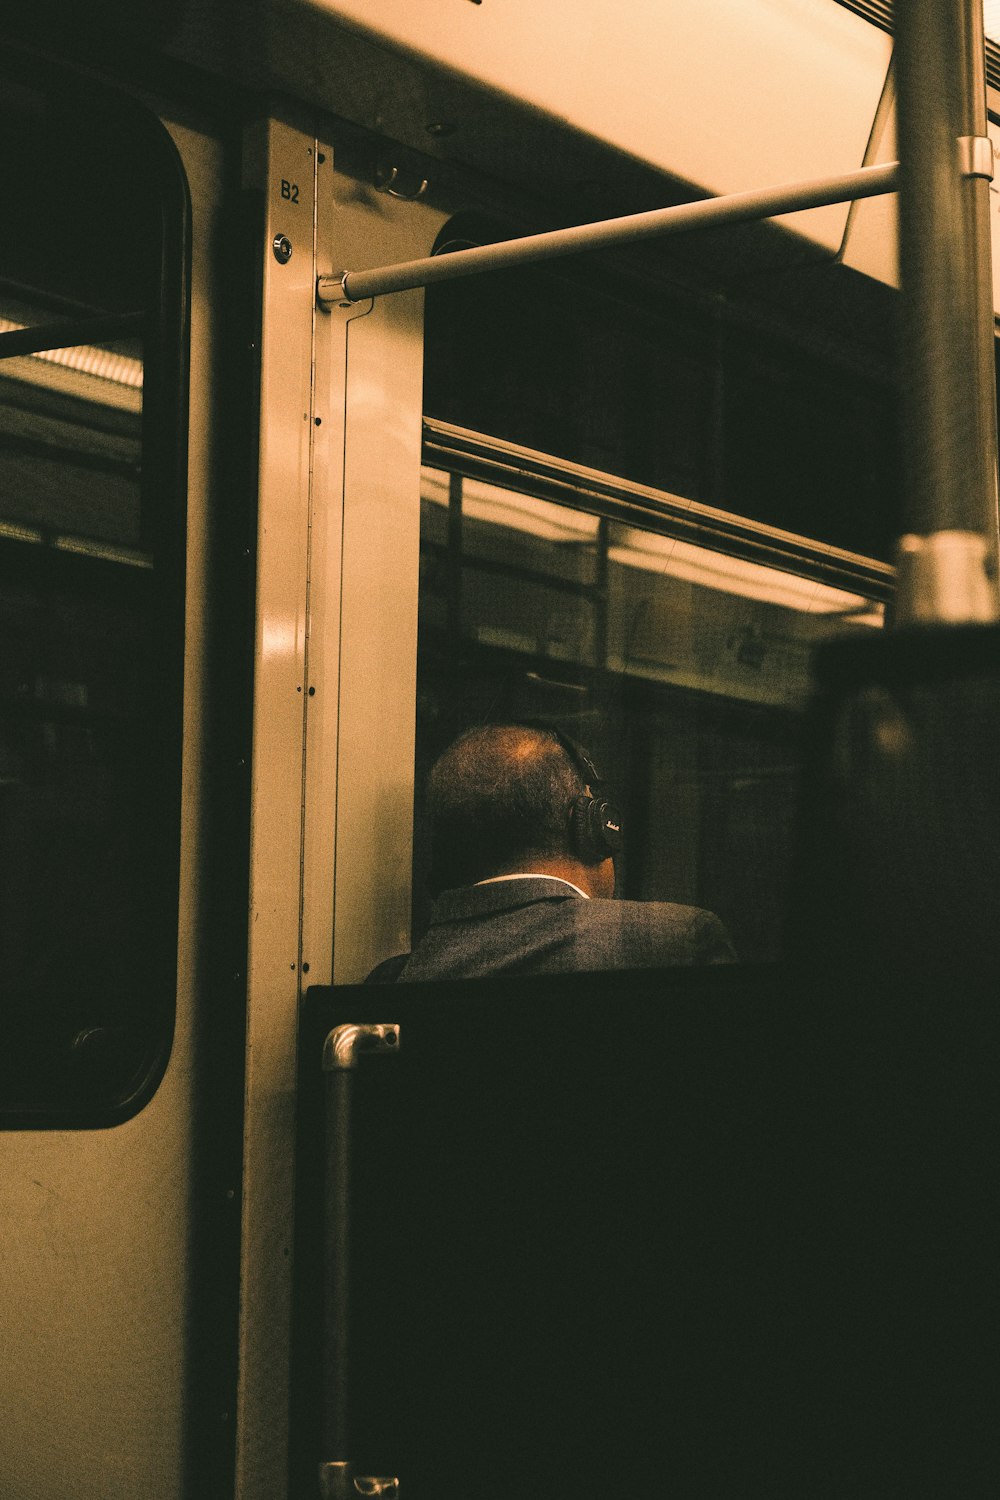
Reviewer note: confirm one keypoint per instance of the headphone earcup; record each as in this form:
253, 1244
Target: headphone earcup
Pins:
595, 829
579, 828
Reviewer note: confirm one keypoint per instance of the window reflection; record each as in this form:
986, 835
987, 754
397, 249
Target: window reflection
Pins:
70, 448
684, 614
683, 667
659, 606
519, 572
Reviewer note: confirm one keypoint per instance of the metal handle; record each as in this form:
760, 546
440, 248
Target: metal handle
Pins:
344, 287
339, 1482
345, 1043
341, 1051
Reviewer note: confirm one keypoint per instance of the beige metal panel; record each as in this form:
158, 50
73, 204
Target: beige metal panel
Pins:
374, 376
334, 697
283, 163
379, 623
94, 1224
727, 94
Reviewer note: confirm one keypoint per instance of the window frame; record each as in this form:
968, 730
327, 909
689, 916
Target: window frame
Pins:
497, 461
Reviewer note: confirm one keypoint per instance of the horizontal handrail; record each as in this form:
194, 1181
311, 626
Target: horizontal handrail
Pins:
733, 208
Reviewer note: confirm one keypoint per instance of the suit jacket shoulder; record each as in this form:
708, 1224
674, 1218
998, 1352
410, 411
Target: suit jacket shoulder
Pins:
652, 934
534, 926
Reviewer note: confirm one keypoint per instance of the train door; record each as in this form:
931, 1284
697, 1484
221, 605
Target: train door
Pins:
108, 286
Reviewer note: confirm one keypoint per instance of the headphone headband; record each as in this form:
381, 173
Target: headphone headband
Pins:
578, 756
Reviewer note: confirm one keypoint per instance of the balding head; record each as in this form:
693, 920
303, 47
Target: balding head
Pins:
499, 800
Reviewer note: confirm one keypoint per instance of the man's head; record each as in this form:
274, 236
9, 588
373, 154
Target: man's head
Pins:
500, 801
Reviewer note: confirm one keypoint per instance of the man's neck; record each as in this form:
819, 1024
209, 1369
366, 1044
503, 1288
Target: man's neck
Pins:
592, 880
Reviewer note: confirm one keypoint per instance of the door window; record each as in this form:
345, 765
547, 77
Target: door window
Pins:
91, 600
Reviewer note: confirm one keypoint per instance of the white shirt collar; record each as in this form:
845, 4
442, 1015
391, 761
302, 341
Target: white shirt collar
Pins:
533, 875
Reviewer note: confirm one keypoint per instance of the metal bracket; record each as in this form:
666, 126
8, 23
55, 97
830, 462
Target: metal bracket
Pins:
942, 579
344, 1044
337, 1482
975, 156
331, 291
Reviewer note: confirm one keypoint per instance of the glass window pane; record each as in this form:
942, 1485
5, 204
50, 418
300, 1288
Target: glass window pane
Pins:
72, 445
706, 366
681, 667
524, 532
90, 612
523, 615
682, 614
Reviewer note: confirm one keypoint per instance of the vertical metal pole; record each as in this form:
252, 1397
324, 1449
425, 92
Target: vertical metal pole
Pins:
337, 1275
341, 1050
948, 558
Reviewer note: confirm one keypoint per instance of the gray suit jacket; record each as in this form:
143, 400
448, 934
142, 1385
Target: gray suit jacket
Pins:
536, 926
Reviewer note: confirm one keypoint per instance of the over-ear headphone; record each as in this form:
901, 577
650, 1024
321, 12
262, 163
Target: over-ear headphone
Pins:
595, 825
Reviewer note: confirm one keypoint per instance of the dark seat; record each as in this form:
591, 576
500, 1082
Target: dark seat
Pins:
689, 1232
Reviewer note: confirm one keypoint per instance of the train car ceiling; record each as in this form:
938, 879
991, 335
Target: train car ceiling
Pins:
592, 114
645, 82
590, 110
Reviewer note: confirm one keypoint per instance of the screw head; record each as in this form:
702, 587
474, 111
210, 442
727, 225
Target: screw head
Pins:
282, 247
